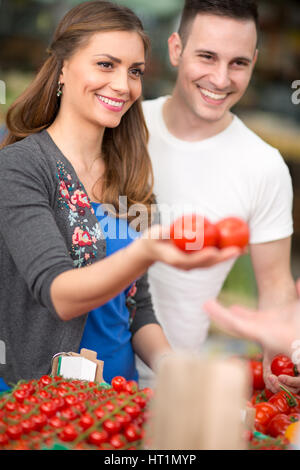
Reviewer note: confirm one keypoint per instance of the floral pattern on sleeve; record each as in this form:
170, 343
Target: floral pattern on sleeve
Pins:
74, 200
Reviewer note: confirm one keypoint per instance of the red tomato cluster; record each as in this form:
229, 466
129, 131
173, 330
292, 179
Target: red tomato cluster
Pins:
40, 413
273, 412
194, 232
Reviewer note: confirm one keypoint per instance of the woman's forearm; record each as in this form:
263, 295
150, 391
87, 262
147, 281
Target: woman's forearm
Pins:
78, 291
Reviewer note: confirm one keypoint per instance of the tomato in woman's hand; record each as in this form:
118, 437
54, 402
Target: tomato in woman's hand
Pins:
283, 365
233, 231
256, 368
192, 232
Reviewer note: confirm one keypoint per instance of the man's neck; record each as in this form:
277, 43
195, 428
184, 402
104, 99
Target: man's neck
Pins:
185, 125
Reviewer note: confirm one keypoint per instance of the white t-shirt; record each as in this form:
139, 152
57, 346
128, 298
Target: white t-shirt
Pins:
234, 173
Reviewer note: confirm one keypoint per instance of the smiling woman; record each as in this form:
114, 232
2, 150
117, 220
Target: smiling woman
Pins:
76, 142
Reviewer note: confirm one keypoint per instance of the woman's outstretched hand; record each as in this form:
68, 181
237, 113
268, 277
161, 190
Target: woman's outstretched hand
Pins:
161, 248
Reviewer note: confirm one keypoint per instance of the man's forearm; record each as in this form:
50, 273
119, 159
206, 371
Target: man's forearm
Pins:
150, 344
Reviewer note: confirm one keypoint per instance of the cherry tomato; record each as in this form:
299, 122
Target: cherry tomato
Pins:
71, 399
10, 406
45, 380
99, 412
98, 437
123, 419
193, 232
40, 420
131, 387
256, 368
48, 408
133, 410
69, 414
14, 431
28, 425
86, 421
233, 231
118, 383
69, 433
3, 439
20, 395
282, 365
111, 426
117, 441
132, 432
56, 422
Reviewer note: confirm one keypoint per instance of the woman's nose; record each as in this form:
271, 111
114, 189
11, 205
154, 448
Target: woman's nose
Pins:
120, 82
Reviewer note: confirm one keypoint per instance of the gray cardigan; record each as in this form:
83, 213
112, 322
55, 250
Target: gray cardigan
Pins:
47, 226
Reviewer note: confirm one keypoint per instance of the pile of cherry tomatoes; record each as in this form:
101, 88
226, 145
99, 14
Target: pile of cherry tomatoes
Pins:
53, 411
274, 413
193, 232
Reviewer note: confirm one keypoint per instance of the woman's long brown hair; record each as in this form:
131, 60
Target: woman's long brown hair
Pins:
128, 170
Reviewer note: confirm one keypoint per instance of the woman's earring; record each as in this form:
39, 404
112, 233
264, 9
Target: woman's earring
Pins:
59, 90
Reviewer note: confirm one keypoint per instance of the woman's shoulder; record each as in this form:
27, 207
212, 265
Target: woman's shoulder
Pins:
26, 153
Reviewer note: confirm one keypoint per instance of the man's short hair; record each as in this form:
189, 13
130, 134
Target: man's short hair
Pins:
237, 9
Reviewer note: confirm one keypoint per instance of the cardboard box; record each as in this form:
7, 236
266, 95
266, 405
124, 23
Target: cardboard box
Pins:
85, 353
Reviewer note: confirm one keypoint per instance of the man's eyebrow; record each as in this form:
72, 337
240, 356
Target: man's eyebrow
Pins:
119, 61
214, 54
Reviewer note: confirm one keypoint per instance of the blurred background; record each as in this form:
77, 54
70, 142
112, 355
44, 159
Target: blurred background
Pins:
271, 107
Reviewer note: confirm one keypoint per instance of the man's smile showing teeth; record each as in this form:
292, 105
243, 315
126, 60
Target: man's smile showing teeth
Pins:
110, 103
212, 95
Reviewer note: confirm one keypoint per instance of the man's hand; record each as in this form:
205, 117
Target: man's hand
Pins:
275, 330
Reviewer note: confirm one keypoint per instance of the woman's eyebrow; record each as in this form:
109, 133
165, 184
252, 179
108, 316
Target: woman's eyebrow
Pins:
115, 59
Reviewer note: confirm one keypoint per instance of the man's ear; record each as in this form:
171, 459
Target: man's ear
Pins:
175, 49
255, 57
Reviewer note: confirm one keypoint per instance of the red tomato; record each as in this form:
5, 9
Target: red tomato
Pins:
117, 441
40, 420
233, 231
118, 383
133, 410
56, 422
278, 425
69, 433
131, 386
264, 412
98, 437
132, 432
112, 426
86, 421
256, 368
3, 439
192, 232
48, 408
282, 365
123, 419
283, 401
20, 395
14, 431
28, 425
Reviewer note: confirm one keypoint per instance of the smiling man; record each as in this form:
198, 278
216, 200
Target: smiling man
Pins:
205, 158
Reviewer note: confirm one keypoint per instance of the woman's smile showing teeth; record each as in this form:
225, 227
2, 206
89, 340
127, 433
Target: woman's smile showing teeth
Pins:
112, 104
